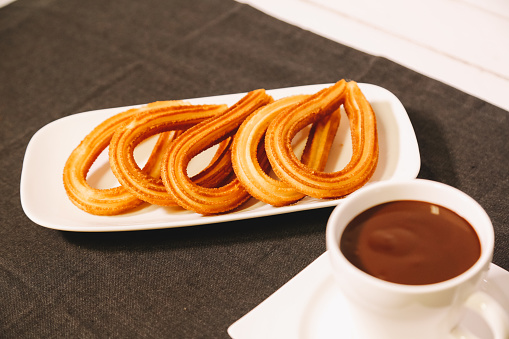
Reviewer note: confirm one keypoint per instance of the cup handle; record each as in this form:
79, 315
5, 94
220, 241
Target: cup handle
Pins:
491, 312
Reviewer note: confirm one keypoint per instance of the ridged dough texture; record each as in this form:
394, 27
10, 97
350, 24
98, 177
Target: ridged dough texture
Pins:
254, 155
115, 200
247, 153
364, 134
189, 195
143, 126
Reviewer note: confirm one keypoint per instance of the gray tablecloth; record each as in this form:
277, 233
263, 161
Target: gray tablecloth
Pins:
61, 57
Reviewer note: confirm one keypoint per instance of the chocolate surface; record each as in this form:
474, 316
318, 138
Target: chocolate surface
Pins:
411, 242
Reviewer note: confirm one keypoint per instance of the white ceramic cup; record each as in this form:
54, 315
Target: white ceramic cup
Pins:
385, 310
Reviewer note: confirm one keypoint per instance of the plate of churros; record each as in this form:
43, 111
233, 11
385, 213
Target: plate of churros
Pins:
207, 160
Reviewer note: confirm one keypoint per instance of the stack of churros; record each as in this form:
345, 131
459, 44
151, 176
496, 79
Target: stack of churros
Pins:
254, 156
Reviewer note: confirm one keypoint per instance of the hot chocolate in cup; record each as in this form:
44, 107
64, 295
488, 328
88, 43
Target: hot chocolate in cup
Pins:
410, 258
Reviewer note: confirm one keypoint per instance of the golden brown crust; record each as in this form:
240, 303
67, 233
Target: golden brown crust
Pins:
187, 194
254, 135
320, 139
320, 184
113, 200
142, 126
246, 153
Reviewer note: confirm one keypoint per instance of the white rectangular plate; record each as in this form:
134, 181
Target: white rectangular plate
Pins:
45, 202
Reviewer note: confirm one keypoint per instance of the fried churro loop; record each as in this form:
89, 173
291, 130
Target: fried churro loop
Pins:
189, 195
115, 200
251, 134
144, 125
321, 184
251, 137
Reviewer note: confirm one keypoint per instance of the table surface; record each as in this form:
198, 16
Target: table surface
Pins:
61, 57
463, 43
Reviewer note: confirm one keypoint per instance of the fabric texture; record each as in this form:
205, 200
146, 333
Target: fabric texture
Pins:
59, 58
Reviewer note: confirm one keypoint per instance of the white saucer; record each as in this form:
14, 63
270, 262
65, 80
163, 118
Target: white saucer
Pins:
310, 306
